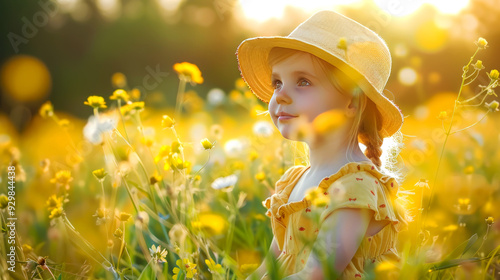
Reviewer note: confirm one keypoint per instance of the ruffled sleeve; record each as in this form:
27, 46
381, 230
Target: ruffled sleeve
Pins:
277, 205
359, 190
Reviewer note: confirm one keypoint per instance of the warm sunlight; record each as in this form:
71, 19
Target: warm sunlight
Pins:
262, 10
449, 6
403, 8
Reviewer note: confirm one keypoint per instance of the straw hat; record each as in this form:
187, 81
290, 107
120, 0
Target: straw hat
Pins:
340, 41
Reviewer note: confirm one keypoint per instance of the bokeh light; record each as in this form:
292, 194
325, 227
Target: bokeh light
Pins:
430, 37
407, 76
25, 78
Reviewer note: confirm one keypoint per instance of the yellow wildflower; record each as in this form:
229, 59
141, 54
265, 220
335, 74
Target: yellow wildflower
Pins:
469, 169
118, 80
240, 83
62, 178
132, 108
342, 44
4, 201
95, 101
443, 115
248, 268
235, 95
207, 145
177, 162
189, 72
253, 155
317, 197
450, 228
489, 221
164, 151
46, 110
100, 213
118, 233
54, 202
99, 174
261, 176
120, 94
56, 213
492, 106
384, 266
479, 65
463, 204
147, 141
237, 165
155, 178
494, 74
176, 147
64, 123
212, 224
167, 122
158, 254
481, 43
27, 249
214, 267
124, 216
186, 267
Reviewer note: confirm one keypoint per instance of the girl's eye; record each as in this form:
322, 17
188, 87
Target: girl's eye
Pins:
276, 84
304, 82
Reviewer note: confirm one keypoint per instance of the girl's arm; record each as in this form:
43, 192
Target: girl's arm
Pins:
340, 236
275, 252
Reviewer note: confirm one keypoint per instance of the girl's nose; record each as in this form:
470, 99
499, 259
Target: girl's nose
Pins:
282, 96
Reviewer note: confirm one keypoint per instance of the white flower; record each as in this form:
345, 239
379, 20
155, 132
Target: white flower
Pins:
263, 128
215, 96
225, 183
233, 148
95, 127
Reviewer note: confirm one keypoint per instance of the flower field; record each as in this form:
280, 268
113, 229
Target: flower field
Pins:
140, 191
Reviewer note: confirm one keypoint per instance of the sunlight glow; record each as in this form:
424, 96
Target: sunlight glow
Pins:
262, 10
449, 6
406, 7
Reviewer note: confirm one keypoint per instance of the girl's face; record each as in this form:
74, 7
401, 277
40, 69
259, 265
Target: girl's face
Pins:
301, 93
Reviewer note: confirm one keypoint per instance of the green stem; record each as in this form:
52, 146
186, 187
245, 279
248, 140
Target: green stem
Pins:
180, 97
121, 118
471, 124
427, 209
484, 239
121, 247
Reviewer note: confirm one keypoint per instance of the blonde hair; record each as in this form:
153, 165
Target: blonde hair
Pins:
367, 122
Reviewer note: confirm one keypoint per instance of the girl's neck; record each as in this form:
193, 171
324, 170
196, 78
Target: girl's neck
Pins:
329, 153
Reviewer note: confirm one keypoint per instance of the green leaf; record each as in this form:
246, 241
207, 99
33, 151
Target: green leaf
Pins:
452, 263
462, 248
147, 273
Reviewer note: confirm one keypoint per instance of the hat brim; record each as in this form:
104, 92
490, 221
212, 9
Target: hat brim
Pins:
252, 55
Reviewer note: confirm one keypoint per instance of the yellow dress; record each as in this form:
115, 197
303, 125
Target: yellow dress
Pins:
355, 185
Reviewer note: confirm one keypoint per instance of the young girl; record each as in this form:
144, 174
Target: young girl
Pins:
324, 84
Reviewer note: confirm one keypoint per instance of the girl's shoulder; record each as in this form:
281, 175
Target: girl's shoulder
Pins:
291, 174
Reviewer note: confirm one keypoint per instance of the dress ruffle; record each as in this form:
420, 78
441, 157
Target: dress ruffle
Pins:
384, 190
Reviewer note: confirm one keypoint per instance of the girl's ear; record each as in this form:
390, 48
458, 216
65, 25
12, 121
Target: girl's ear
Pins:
352, 108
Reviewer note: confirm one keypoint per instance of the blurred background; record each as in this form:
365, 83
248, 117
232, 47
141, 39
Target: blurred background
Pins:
66, 50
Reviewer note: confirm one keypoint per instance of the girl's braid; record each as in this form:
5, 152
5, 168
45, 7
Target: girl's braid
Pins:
369, 133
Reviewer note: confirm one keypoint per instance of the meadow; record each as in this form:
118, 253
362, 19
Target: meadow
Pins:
138, 192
